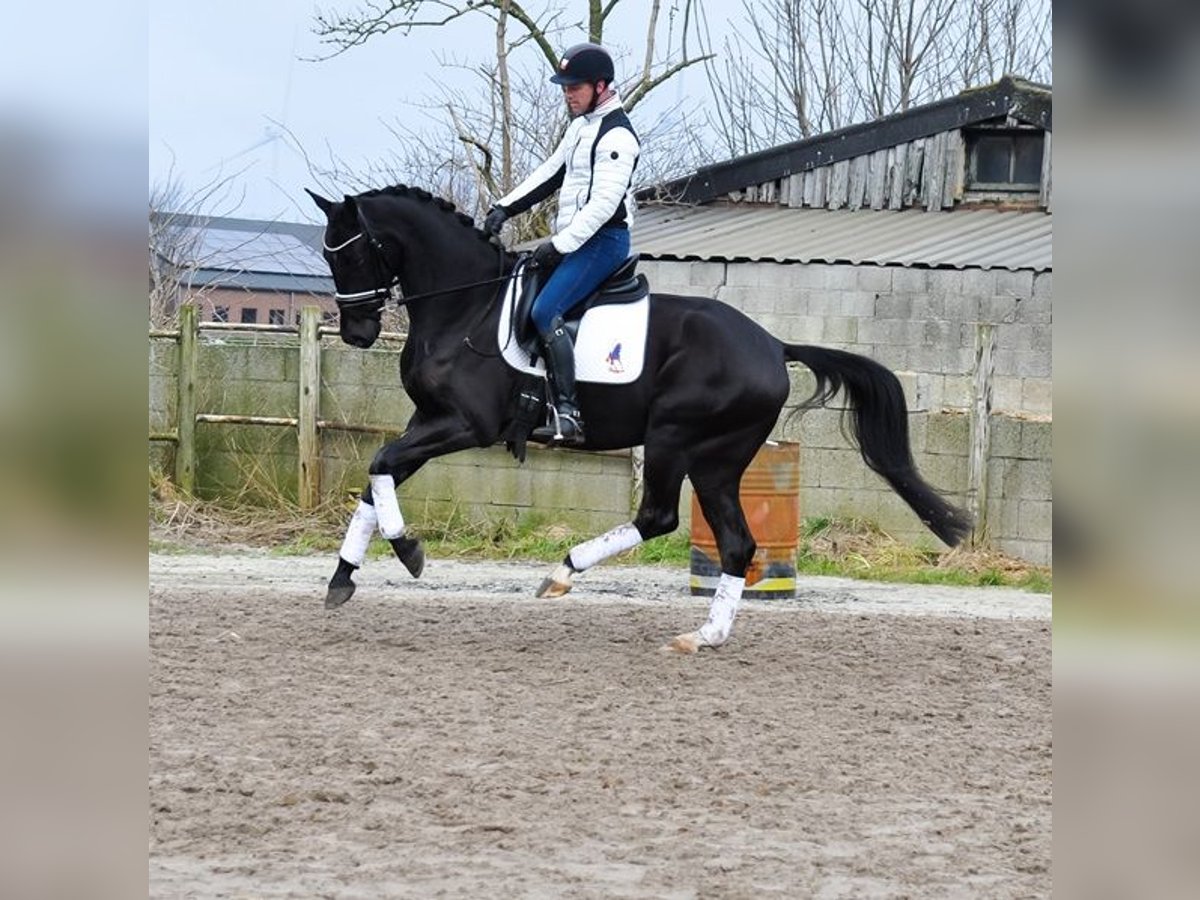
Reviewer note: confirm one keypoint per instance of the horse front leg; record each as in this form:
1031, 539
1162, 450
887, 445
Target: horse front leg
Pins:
379, 506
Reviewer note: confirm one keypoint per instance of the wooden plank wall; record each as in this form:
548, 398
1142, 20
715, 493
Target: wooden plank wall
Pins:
928, 172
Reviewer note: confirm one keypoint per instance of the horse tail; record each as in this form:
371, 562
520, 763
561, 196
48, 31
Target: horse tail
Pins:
878, 418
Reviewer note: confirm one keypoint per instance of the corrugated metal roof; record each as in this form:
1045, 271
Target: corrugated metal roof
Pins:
961, 239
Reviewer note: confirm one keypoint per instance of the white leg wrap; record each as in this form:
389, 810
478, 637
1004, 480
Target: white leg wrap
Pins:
722, 610
387, 507
623, 537
358, 534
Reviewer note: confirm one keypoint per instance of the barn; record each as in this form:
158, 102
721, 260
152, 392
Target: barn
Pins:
922, 240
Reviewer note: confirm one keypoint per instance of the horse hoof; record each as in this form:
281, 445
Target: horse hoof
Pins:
338, 595
415, 561
411, 553
684, 644
556, 583
550, 589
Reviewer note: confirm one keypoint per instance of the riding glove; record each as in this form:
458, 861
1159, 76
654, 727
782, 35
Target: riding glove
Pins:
546, 256
495, 218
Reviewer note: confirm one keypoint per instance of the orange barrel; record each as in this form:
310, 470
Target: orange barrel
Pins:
770, 496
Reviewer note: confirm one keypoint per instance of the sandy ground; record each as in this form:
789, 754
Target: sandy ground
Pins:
453, 737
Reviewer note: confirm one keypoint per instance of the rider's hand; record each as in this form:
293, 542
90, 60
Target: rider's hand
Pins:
546, 256
495, 218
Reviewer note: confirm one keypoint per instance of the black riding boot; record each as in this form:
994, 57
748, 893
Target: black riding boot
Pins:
567, 429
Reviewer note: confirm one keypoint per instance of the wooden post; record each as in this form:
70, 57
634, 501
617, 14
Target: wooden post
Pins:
980, 432
309, 484
185, 449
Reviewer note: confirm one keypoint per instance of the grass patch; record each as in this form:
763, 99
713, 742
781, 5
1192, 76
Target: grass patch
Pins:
847, 548
853, 548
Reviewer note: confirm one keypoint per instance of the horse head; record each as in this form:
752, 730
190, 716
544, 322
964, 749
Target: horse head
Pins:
362, 276
400, 239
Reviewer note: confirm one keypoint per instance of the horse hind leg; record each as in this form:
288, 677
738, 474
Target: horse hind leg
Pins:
658, 514
723, 512
584, 556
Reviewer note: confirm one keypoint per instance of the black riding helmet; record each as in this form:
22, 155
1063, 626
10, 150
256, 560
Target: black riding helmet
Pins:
584, 63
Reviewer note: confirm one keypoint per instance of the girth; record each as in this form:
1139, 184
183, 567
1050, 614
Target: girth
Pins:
624, 285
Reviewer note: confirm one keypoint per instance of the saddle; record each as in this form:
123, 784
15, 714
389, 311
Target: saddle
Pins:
528, 401
624, 285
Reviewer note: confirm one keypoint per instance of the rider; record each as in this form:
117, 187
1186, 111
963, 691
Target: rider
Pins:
592, 167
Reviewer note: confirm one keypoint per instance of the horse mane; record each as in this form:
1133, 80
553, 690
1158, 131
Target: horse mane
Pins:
424, 196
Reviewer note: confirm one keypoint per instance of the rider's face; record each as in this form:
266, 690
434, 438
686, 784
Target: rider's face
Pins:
579, 97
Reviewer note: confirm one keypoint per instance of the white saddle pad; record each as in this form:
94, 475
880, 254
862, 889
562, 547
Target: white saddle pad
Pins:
610, 347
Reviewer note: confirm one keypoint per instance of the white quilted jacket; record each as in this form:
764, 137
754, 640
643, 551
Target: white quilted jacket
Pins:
589, 197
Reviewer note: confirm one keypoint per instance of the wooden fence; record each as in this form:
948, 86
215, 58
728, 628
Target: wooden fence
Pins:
308, 423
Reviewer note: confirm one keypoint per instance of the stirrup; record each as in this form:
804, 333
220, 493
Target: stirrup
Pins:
553, 430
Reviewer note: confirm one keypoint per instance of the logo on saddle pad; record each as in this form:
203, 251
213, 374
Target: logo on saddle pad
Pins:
610, 347
614, 360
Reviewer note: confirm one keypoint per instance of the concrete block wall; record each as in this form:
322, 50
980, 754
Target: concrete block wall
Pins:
163, 397
251, 374
923, 324
586, 491
358, 387
1020, 506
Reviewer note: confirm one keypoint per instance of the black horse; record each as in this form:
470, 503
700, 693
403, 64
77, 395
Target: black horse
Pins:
710, 392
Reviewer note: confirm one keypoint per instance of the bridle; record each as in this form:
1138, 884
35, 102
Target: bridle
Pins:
378, 297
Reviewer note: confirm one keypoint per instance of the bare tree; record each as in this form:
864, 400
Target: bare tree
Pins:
801, 67
999, 37
485, 137
175, 241
763, 85
895, 39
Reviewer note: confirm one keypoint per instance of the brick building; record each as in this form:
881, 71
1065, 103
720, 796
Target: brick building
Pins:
244, 270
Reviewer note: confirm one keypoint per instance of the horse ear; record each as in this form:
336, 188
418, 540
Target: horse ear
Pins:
326, 205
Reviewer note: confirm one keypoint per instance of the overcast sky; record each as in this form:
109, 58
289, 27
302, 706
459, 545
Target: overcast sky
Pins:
222, 72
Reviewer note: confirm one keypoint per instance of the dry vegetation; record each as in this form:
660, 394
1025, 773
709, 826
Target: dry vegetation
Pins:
843, 547
860, 549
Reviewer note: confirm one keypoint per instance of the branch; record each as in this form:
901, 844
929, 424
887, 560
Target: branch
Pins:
484, 168
646, 87
346, 31
649, 39
535, 31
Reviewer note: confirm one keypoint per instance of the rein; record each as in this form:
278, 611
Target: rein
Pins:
377, 298
381, 295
